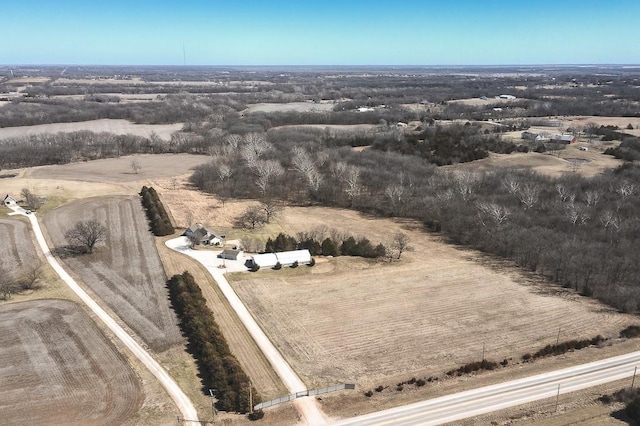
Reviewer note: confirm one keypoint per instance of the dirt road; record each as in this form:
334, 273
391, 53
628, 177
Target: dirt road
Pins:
306, 406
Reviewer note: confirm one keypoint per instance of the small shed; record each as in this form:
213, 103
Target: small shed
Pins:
9, 201
230, 254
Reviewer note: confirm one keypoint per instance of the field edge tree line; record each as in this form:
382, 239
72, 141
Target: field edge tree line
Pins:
219, 368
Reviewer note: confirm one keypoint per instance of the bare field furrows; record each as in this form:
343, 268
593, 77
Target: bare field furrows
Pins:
125, 271
58, 368
349, 319
17, 252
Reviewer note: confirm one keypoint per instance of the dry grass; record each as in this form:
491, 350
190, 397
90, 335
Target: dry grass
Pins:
290, 106
117, 126
118, 170
372, 323
589, 163
58, 366
125, 271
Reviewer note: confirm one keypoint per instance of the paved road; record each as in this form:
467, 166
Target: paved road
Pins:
508, 394
185, 406
307, 405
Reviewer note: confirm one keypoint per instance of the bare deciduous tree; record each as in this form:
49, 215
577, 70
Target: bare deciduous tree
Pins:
529, 195
252, 217
135, 166
87, 234
8, 285
466, 183
270, 208
267, 170
32, 277
32, 200
497, 213
400, 244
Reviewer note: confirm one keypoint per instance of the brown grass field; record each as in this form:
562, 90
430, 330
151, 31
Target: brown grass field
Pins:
290, 106
589, 163
125, 271
58, 368
377, 323
117, 126
118, 170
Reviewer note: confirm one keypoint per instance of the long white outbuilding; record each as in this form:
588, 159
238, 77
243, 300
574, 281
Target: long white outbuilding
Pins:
285, 258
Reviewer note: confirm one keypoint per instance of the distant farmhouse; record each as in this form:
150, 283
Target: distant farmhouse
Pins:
566, 139
9, 201
203, 235
510, 97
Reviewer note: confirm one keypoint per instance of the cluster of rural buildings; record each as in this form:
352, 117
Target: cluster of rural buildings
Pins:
200, 235
562, 139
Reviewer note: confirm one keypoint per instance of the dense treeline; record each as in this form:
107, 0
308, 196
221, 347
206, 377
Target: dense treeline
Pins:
329, 246
177, 108
156, 213
443, 145
219, 369
582, 233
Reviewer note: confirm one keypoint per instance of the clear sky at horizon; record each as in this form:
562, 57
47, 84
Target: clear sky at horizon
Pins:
329, 32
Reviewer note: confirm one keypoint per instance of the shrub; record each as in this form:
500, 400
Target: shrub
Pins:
631, 331
399, 388
420, 382
294, 264
255, 268
379, 388
368, 394
256, 415
313, 262
526, 357
277, 266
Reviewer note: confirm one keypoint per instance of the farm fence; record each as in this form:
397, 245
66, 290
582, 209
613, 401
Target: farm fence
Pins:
311, 392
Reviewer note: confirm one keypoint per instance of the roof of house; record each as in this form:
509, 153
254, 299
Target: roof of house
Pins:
565, 138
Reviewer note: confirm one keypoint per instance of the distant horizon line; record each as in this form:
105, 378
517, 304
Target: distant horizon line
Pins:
629, 65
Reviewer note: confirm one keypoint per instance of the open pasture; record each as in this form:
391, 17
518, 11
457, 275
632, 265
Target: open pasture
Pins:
118, 170
125, 271
373, 323
58, 368
116, 126
290, 106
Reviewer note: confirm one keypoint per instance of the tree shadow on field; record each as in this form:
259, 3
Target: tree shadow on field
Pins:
65, 252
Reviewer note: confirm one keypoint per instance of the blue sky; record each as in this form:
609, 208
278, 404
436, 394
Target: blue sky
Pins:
320, 32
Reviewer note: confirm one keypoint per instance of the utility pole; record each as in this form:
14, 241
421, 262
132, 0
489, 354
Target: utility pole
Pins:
633, 381
213, 406
557, 397
558, 338
250, 398
483, 347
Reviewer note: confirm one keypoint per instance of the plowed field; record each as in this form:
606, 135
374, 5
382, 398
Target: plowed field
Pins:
58, 368
17, 252
124, 271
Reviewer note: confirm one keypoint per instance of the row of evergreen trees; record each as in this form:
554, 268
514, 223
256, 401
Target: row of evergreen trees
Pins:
156, 213
219, 369
328, 247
